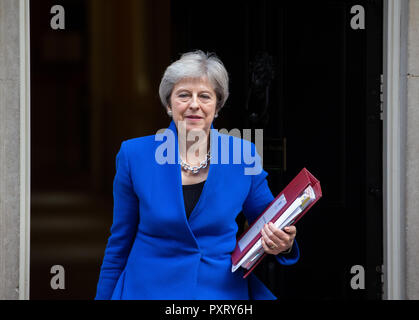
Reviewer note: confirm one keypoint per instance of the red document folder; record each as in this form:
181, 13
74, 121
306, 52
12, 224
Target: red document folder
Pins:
287, 197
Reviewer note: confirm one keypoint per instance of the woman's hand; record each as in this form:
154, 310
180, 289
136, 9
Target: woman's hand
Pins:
275, 241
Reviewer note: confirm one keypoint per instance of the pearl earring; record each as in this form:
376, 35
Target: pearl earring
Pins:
169, 112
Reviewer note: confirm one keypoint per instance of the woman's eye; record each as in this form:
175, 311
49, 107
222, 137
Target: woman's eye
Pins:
183, 95
205, 96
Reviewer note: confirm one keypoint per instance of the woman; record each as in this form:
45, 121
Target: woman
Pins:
174, 222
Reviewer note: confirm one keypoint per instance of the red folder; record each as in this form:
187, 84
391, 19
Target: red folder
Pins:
291, 192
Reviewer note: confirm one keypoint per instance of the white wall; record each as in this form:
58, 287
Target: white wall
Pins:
9, 149
412, 155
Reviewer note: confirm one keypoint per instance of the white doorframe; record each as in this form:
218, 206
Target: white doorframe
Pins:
25, 155
394, 109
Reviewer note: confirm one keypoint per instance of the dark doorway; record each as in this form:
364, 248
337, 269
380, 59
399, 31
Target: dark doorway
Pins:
94, 83
300, 72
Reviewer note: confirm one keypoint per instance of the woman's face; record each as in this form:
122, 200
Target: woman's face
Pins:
194, 102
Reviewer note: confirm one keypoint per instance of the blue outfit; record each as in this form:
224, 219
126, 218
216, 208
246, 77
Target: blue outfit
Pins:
155, 252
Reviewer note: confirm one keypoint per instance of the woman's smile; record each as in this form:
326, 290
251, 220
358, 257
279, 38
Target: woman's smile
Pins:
193, 118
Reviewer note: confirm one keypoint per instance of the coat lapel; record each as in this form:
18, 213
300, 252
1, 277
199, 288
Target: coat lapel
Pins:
174, 178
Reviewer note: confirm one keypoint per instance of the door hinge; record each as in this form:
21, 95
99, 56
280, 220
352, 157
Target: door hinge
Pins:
380, 271
381, 96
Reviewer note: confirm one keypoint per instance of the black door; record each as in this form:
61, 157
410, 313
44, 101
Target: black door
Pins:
312, 82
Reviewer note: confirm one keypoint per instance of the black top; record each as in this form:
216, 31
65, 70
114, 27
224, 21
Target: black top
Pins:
191, 194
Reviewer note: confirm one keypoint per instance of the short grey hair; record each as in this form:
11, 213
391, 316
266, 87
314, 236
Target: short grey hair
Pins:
196, 64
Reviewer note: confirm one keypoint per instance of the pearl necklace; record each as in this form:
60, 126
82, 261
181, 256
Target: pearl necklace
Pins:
194, 169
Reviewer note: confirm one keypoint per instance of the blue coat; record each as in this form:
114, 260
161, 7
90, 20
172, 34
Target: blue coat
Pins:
154, 251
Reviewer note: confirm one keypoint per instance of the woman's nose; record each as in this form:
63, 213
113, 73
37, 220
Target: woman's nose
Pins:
194, 102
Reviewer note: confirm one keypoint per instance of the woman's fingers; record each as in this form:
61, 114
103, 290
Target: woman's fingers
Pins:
275, 240
268, 249
271, 240
281, 235
292, 230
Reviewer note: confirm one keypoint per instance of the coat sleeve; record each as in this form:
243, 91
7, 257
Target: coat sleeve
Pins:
258, 198
123, 230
